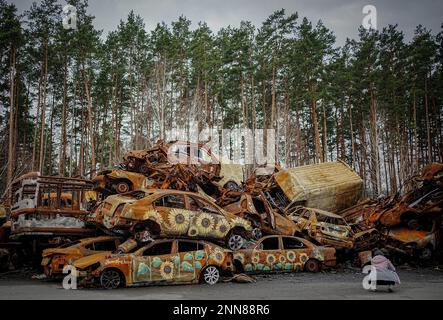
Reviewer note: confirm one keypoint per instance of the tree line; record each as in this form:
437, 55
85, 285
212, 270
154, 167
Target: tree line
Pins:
74, 100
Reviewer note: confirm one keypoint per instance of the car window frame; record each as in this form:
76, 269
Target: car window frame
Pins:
260, 244
168, 195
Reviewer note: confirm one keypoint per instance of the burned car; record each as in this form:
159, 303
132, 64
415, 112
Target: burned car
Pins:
263, 217
283, 254
327, 228
170, 213
48, 207
111, 182
420, 244
323, 227
160, 262
55, 259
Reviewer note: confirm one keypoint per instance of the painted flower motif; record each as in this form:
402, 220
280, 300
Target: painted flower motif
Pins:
175, 259
200, 254
266, 268
188, 256
291, 256
270, 259
240, 257
248, 267
218, 256
156, 262
222, 228
303, 257
255, 259
278, 266
298, 267
282, 259
205, 223
193, 231
288, 266
186, 266
259, 266
142, 269
197, 265
178, 220
241, 223
167, 270
153, 215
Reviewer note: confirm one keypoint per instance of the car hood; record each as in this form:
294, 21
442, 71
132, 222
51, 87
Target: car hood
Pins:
61, 251
89, 260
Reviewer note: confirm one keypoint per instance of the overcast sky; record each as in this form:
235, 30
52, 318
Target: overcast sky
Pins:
342, 16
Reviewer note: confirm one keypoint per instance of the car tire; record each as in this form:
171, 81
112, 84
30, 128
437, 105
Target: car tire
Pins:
257, 233
122, 187
231, 185
235, 241
111, 279
312, 265
210, 275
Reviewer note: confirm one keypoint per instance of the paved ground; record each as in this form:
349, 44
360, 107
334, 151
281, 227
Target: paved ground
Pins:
416, 284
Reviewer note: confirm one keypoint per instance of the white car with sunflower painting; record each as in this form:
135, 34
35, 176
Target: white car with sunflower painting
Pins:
277, 253
168, 261
170, 213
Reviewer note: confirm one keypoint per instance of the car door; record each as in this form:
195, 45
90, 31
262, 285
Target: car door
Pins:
176, 218
296, 253
154, 263
208, 221
266, 256
191, 258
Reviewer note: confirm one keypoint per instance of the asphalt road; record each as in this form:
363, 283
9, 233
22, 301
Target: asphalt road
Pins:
416, 284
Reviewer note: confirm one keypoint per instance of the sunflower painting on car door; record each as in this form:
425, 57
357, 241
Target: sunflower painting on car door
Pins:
155, 264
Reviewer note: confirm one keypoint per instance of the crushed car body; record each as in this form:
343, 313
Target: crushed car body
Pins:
163, 213
49, 206
164, 261
284, 254
55, 259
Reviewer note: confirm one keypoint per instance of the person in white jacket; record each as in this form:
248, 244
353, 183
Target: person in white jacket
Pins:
385, 270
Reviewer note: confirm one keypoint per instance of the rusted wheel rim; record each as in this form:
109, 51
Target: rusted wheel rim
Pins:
110, 279
122, 187
211, 275
235, 242
256, 233
312, 266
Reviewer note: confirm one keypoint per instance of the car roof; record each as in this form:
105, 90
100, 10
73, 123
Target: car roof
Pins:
324, 213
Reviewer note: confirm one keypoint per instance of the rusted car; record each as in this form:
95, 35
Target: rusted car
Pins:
421, 243
322, 226
160, 262
55, 259
48, 207
111, 182
263, 217
283, 254
166, 213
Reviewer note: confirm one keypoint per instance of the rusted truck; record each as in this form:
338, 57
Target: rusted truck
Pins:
329, 186
49, 208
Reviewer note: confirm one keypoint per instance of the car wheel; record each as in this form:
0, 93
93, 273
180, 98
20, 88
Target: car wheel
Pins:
122, 187
110, 279
211, 275
256, 233
235, 242
425, 254
312, 265
144, 236
231, 185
